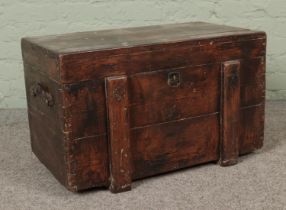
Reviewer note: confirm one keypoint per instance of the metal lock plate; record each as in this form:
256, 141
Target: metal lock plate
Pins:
174, 79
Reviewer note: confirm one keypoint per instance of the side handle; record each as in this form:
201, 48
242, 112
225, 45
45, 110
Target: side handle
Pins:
38, 90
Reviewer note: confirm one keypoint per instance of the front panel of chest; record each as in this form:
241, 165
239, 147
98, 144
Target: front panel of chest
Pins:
174, 106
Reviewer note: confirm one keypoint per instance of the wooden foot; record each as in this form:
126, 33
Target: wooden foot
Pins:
230, 107
118, 136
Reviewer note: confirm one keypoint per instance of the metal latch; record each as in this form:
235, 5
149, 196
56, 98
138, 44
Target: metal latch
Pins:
174, 79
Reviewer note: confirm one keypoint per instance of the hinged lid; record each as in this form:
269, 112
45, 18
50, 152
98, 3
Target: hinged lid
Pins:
129, 37
74, 57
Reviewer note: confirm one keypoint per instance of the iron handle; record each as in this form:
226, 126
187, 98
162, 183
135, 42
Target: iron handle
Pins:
38, 90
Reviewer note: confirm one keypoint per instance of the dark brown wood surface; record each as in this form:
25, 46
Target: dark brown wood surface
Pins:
230, 111
81, 54
127, 37
170, 126
251, 128
84, 66
173, 145
119, 133
86, 105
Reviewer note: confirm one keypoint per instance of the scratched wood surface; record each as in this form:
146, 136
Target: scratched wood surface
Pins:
174, 97
230, 107
122, 38
117, 101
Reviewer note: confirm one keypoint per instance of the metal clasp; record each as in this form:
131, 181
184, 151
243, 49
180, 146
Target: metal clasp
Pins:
174, 79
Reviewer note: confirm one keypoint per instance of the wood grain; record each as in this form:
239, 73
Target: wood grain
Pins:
168, 127
251, 128
136, 36
169, 146
84, 66
230, 107
90, 162
118, 135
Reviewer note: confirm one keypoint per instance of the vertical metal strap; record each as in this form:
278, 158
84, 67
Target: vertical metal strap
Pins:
118, 136
230, 108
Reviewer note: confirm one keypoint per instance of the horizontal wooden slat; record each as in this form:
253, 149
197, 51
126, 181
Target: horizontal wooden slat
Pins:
130, 37
154, 101
185, 142
159, 112
194, 81
85, 66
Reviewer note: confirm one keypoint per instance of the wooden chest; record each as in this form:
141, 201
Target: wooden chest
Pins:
113, 106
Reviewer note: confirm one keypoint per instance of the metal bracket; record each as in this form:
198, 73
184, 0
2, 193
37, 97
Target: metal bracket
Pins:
174, 79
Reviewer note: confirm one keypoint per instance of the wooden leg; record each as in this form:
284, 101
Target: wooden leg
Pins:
230, 107
118, 136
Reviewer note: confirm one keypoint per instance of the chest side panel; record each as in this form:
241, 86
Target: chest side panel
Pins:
46, 121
